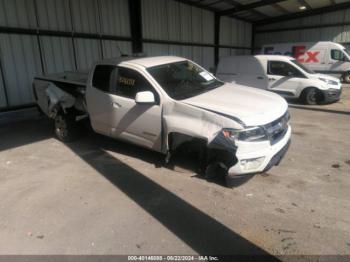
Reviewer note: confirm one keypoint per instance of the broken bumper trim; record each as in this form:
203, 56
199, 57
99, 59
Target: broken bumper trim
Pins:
270, 155
276, 159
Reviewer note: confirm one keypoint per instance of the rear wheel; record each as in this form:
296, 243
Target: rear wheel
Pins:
66, 128
310, 96
346, 77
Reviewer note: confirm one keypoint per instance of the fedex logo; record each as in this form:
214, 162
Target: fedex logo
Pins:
298, 52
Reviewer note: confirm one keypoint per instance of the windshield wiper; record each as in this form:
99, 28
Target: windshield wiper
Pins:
211, 88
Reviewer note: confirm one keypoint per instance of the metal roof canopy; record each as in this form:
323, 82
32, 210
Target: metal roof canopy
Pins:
261, 12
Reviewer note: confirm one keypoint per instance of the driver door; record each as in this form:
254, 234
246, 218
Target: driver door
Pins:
114, 112
283, 78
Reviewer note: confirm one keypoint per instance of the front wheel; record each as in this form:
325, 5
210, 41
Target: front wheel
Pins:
310, 96
66, 128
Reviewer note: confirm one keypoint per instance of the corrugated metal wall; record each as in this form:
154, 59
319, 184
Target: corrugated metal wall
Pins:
178, 22
339, 34
234, 32
24, 56
20, 63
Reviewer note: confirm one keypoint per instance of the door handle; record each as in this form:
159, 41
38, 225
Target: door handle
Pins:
272, 79
260, 77
116, 105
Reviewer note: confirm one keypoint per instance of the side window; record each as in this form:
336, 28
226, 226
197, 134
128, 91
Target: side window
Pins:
121, 81
102, 76
282, 69
130, 82
337, 55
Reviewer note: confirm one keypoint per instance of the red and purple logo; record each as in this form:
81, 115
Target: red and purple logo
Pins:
299, 52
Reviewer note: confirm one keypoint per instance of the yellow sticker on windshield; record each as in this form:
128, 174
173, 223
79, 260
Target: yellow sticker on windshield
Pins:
126, 81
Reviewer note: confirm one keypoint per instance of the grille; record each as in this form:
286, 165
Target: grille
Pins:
278, 128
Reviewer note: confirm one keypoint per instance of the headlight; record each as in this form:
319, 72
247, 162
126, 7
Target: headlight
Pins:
329, 82
248, 135
253, 163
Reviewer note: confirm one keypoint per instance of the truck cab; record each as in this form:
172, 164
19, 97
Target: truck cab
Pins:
123, 102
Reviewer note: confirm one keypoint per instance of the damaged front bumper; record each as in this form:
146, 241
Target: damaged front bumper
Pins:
257, 157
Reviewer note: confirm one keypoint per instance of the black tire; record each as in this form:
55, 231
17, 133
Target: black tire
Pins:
346, 77
215, 169
66, 128
310, 96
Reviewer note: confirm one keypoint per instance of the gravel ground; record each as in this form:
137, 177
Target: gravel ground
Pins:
101, 196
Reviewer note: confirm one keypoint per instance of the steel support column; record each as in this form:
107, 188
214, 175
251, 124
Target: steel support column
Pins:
135, 15
252, 43
216, 38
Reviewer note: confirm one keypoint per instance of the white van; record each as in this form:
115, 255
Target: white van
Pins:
281, 74
322, 57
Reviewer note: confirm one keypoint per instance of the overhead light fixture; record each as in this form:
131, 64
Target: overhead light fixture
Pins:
302, 7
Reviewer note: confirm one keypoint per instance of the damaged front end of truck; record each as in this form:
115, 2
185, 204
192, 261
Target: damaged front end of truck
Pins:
225, 145
203, 132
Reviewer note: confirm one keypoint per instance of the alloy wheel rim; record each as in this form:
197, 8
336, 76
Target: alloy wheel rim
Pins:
312, 96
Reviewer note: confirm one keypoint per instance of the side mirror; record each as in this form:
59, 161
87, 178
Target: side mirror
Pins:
145, 97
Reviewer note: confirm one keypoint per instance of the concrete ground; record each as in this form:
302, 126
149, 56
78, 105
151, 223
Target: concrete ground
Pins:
101, 196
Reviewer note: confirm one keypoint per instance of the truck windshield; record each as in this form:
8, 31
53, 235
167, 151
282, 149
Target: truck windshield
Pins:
300, 65
347, 52
183, 79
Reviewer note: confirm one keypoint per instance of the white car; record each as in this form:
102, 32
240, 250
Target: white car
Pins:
281, 74
162, 103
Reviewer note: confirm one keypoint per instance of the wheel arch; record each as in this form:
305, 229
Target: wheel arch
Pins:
220, 149
320, 95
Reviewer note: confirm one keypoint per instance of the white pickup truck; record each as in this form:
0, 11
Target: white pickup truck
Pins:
163, 102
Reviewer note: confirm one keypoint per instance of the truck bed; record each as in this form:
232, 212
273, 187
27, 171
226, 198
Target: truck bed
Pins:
67, 88
71, 78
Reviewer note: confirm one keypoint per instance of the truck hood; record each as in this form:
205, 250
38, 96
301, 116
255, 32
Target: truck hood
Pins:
250, 105
317, 76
